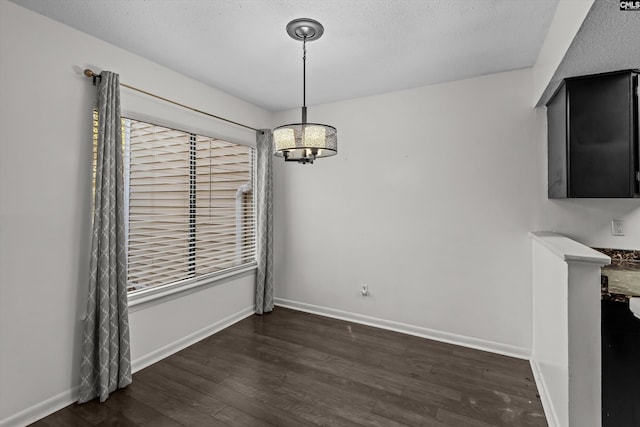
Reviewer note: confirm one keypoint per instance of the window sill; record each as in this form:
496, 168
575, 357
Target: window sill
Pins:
161, 292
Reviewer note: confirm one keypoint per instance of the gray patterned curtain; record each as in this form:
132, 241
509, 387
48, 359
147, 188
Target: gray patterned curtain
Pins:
264, 276
106, 363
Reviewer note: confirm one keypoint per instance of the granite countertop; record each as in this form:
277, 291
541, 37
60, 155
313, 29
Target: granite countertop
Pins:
621, 279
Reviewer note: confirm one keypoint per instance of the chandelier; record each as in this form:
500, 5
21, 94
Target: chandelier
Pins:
304, 142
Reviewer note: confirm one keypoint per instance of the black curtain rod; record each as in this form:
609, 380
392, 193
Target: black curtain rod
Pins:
94, 76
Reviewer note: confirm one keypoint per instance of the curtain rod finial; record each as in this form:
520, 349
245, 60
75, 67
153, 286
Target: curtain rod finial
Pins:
89, 73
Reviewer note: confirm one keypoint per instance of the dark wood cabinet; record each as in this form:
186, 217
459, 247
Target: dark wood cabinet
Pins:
620, 365
593, 137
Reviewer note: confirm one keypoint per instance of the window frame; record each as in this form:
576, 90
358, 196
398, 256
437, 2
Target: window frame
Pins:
158, 292
145, 295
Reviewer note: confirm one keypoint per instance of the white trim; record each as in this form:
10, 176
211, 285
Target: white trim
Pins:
152, 294
419, 331
42, 409
543, 391
569, 250
243, 189
68, 397
184, 342
180, 126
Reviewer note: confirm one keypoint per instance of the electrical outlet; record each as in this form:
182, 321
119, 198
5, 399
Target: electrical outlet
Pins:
364, 290
617, 227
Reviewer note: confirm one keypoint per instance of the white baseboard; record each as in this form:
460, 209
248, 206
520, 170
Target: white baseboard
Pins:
184, 342
543, 391
42, 409
419, 331
68, 397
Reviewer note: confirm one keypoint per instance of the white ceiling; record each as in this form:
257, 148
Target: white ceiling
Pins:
369, 46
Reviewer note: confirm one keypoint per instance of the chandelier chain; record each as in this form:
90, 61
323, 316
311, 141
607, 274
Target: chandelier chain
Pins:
304, 71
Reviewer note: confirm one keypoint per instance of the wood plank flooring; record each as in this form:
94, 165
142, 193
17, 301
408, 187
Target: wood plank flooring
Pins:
289, 368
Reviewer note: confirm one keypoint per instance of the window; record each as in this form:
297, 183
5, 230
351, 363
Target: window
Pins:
189, 205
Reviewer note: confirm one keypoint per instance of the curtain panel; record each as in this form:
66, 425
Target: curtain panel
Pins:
106, 362
264, 196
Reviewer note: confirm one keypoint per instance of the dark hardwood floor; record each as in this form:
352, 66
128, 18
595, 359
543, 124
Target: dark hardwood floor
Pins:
290, 368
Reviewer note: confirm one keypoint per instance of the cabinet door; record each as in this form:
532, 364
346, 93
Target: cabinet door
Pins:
601, 159
620, 331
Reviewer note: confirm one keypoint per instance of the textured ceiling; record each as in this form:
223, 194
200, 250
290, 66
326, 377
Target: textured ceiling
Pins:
608, 40
369, 46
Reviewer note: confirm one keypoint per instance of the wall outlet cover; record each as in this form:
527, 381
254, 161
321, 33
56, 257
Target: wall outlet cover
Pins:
617, 227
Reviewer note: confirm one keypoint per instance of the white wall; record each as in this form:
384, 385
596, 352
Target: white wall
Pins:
429, 202
45, 175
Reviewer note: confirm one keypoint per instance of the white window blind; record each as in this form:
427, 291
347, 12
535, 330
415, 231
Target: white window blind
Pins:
190, 207
158, 199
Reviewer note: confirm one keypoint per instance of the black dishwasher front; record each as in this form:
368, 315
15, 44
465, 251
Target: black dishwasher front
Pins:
620, 365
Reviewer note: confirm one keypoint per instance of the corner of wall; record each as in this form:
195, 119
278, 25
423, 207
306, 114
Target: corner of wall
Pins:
569, 16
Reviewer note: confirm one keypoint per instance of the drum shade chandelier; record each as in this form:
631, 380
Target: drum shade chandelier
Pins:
304, 142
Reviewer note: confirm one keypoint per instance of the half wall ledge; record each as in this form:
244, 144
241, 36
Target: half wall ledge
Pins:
566, 347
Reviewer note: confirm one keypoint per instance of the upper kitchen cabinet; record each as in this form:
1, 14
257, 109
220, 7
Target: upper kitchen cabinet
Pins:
593, 137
